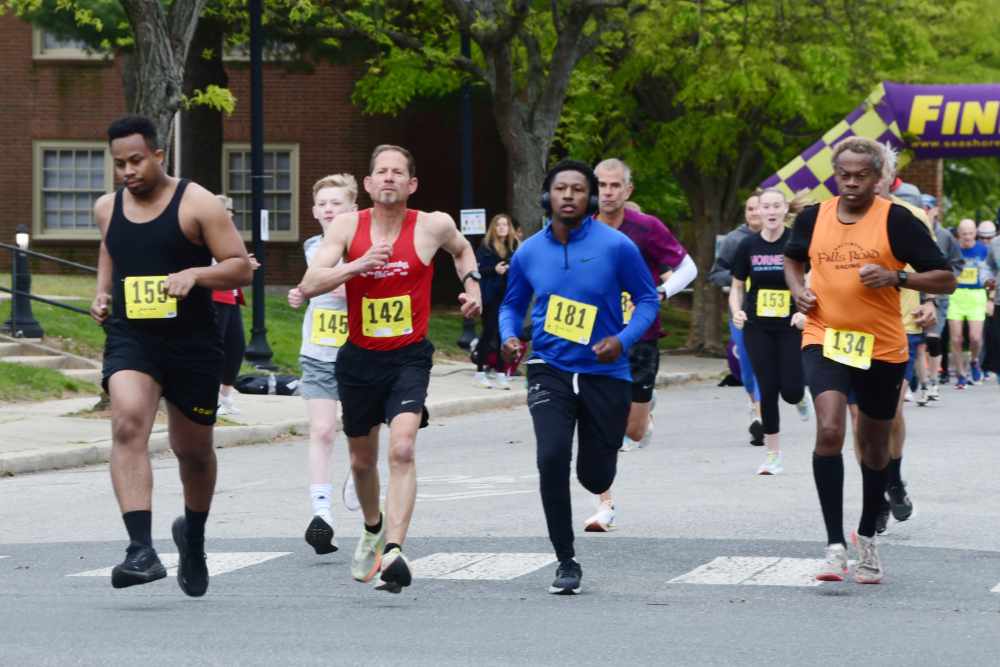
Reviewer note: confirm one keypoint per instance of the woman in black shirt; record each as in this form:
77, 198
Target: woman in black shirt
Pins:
761, 305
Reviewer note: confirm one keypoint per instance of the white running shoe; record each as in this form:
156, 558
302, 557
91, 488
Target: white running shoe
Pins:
628, 445
933, 392
603, 520
503, 382
227, 407
483, 381
922, 396
834, 567
349, 494
772, 465
805, 406
908, 396
648, 437
869, 567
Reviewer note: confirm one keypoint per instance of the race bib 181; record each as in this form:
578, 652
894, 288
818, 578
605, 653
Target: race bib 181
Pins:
570, 320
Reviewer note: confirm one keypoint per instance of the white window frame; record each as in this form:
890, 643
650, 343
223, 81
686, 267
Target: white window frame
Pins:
39, 52
293, 149
39, 230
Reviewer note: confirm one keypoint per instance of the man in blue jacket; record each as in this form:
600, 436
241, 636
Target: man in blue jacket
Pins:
578, 373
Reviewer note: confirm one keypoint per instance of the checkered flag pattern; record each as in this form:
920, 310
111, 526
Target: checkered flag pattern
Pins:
812, 170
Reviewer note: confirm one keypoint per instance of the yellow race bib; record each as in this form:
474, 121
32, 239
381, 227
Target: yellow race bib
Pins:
851, 348
386, 318
969, 276
570, 320
329, 327
774, 303
145, 299
627, 307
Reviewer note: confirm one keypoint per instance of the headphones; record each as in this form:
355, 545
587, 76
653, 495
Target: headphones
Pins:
593, 202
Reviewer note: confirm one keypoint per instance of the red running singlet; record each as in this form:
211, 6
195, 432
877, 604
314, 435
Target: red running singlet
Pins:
389, 307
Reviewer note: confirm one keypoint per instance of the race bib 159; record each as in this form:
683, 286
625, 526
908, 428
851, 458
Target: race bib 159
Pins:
145, 299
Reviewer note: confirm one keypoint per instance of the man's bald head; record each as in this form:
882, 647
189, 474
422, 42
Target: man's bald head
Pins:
967, 233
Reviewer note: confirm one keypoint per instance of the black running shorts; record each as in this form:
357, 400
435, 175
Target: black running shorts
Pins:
187, 367
644, 360
377, 385
876, 389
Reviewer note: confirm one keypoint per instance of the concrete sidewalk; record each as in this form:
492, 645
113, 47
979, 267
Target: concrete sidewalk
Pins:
47, 436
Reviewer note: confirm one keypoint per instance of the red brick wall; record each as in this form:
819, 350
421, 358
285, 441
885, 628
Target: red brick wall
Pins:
928, 175
76, 100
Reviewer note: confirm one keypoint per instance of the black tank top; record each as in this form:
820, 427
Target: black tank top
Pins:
157, 248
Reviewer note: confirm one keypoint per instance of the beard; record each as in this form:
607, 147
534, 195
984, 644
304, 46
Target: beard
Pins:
388, 197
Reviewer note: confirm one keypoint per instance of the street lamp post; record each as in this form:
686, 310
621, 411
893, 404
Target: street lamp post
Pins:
465, 141
22, 322
258, 352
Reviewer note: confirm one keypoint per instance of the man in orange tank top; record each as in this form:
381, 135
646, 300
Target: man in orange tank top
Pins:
857, 245
384, 368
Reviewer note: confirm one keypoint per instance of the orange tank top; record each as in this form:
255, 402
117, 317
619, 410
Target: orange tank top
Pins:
837, 252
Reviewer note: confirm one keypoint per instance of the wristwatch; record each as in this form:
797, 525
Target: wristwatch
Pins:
901, 276
475, 275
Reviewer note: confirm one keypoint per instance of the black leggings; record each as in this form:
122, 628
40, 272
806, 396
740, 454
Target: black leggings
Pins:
489, 339
776, 357
227, 317
596, 407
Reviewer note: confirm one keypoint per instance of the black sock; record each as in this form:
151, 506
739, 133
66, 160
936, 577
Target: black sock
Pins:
894, 472
392, 545
139, 525
194, 526
376, 528
828, 471
873, 484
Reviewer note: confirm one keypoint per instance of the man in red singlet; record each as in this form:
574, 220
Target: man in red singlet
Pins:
384, 368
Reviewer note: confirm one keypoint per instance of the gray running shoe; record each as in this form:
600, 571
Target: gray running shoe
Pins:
899, 501
869, 568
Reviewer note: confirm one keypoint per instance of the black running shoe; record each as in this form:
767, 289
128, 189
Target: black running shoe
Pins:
756, 433
568, 576
141, 566
882, 520
395, 572
192, 570
319, 535
902, 506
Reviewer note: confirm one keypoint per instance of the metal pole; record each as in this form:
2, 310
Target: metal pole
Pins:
22, 323
465, 157
258, 352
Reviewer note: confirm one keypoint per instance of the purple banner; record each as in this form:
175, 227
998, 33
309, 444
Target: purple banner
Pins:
947, 120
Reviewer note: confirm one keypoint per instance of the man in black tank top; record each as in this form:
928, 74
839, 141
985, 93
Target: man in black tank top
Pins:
154, 280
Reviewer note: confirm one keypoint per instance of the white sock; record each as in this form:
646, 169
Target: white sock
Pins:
321, 495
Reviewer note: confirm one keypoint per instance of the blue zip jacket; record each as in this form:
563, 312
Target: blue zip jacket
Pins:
594, 268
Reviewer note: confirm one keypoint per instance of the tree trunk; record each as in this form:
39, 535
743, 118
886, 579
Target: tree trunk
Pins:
161, 48
526, 170
705, 335
201, 126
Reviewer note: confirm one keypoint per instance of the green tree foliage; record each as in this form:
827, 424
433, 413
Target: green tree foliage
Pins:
721, 93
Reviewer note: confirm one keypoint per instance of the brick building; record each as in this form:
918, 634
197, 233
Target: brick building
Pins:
56, 102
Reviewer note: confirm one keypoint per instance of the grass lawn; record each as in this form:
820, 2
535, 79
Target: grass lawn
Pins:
24, 383
78, 334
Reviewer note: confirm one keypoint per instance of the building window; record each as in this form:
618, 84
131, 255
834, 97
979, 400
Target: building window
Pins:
281, 177
47, 46
69, 177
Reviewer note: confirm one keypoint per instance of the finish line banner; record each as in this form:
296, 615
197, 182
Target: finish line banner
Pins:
926, 121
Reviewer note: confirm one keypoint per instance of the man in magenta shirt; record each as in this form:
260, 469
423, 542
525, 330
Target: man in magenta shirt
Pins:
672, 270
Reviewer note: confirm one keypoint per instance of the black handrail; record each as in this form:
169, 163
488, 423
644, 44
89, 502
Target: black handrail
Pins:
58, 260
44, 300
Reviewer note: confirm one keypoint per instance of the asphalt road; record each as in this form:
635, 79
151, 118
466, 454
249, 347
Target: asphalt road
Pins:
710, 564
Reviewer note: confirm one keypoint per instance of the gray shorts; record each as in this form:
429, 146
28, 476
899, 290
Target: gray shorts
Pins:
941, 328
318, 379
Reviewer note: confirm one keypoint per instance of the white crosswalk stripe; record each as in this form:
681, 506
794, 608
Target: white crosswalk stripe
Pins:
754, 571
482, 566
218, 563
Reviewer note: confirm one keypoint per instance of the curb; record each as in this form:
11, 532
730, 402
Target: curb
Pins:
235, 436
